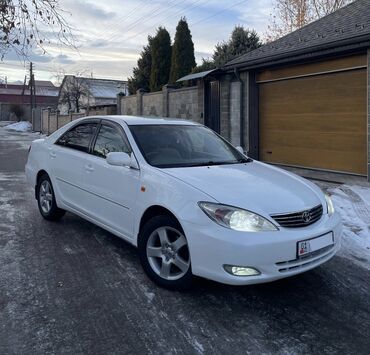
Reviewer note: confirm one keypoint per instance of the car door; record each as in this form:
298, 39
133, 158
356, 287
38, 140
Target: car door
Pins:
110, 191
66, 161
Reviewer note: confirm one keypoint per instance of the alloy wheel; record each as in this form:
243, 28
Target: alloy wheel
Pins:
168, 254
46, 196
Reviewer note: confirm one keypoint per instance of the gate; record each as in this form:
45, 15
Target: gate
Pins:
212, 105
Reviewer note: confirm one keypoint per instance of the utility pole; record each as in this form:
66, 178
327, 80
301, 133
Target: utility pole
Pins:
32, 87
24, 88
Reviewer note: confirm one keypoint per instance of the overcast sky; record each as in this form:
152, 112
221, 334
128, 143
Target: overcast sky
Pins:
110, 34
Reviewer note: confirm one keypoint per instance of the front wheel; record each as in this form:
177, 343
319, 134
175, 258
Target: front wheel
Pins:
46, 200
164, 253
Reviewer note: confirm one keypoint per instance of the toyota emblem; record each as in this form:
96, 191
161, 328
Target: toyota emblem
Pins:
306, 216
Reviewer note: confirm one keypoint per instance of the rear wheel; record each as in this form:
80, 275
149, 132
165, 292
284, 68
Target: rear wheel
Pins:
164, 253
46, 199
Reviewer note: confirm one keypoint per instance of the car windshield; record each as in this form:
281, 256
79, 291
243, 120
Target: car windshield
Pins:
170, 146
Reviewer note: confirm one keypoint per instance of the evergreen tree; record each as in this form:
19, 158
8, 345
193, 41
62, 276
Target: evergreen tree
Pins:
141, 74
183, 60
207, 64
241, 41
161, 59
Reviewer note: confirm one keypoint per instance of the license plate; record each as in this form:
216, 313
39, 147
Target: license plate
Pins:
306, 247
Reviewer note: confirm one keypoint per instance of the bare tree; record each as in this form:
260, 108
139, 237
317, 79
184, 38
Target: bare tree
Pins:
73, 91
290, 15
31, 23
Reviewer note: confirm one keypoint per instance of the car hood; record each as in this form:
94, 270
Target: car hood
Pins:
254, 186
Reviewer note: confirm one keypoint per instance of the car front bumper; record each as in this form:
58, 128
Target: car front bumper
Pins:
273, 254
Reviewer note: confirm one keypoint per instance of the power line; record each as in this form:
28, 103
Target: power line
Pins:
150, 14
124, 18
217, 13
172, 15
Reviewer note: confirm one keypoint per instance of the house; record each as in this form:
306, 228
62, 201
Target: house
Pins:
79, 94
302, 100
11, 95
45, 94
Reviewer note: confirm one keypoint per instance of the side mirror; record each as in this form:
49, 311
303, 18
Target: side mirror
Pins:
119, 159
240, 149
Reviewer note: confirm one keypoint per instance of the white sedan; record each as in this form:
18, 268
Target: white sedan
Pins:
191, 202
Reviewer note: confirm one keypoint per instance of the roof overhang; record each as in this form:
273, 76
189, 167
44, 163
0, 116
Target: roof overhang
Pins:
200, 75
324, 50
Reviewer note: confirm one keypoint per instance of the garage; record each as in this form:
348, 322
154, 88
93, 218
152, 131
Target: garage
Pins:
315, 115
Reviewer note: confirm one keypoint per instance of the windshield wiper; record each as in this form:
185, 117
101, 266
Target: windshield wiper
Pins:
212, 163
245, 160
208, 163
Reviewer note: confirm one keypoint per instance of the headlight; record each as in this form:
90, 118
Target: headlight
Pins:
329, 204
236, 218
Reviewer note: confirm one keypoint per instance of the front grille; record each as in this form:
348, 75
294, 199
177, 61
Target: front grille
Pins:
299, 219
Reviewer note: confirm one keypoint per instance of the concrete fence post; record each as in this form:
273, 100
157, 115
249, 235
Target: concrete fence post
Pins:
200, 100
49, 113
165, 97
139, 101
119, 103
57, 118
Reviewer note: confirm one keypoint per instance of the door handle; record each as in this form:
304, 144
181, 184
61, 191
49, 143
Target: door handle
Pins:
89, 168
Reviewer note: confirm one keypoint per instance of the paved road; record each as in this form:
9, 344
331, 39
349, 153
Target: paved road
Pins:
71, 287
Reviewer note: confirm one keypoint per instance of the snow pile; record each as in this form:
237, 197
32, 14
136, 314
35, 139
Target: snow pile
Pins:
353, 204
23, 126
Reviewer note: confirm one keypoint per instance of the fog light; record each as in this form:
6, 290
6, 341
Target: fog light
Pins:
241, 270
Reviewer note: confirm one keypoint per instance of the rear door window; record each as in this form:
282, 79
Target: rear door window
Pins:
78, 137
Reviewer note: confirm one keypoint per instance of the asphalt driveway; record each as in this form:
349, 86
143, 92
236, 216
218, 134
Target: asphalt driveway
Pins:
71, 287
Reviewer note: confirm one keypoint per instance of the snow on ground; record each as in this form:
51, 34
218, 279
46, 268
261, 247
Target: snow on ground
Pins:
353, 204
23, 126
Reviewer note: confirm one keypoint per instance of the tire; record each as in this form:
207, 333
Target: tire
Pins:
46, 199
164, 253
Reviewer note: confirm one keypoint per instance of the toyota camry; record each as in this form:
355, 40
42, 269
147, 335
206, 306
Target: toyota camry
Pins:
191, 203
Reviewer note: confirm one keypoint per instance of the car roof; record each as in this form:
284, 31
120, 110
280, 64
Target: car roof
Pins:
137, 120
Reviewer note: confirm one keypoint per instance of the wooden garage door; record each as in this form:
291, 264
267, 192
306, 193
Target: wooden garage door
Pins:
317, 121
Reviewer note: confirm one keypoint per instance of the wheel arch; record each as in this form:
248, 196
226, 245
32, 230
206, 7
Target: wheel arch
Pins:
152, 211
38, 176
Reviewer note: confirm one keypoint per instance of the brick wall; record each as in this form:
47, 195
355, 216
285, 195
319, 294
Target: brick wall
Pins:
129, 105
152, 104
244, 77
225, 106
185, 103
188, 103
235, 97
